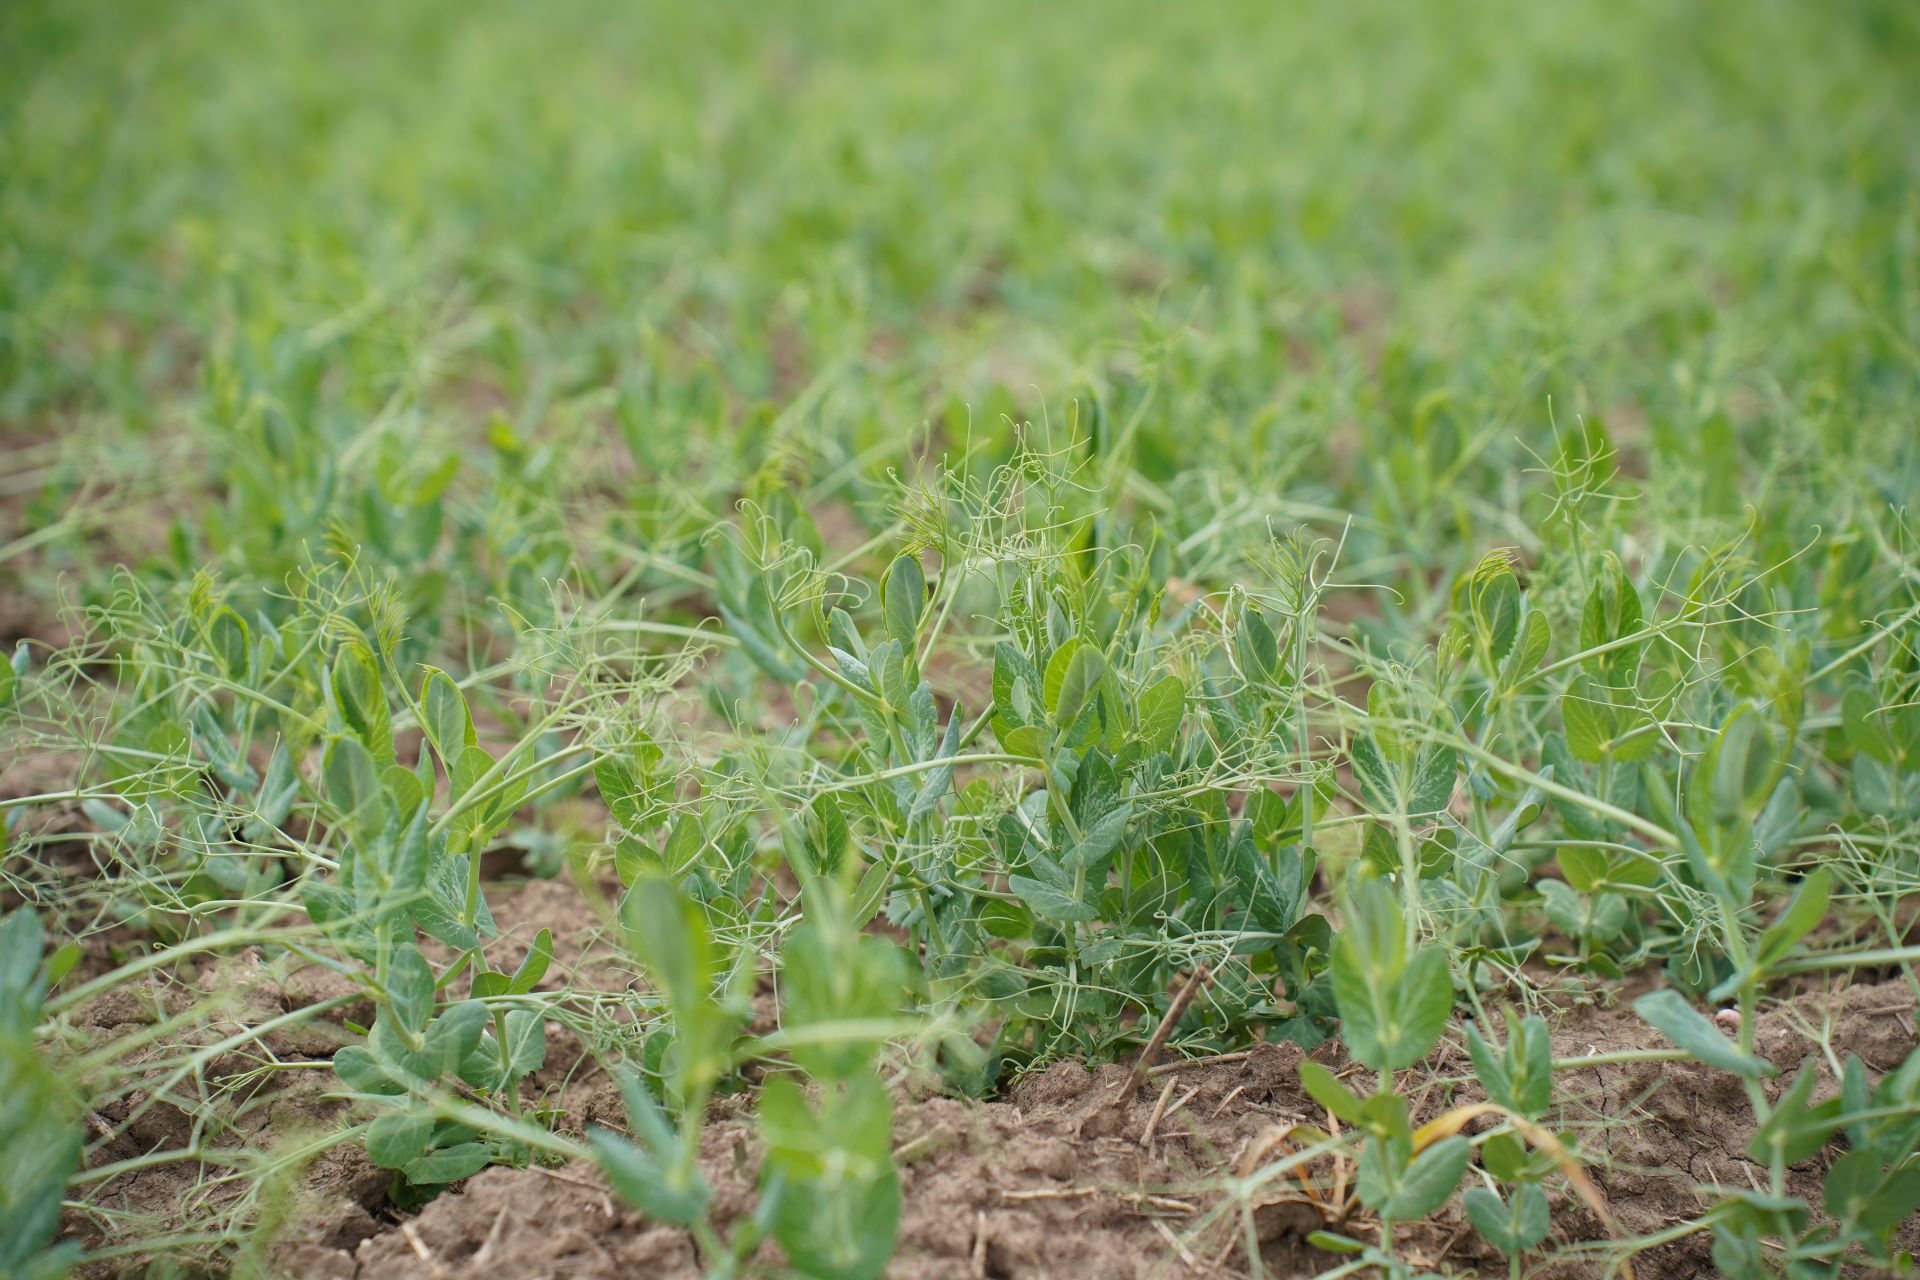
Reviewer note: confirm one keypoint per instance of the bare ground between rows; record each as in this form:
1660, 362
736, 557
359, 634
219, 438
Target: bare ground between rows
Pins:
1057, 1180
1062, 1180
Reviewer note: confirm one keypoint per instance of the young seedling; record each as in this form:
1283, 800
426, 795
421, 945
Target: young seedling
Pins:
657, 1168
39, 1122
829, 1193
1868, 1191
1394, 1003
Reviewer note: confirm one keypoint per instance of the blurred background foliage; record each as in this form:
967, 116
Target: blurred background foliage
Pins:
280, 273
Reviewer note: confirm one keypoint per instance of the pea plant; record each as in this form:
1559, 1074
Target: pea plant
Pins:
829, 1194
1876, 1185
1093, 853
37, 1108
1028, 780
788, 583
300, 767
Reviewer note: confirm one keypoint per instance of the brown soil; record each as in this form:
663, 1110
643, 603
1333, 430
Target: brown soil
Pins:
1671, 1128
1055, 1181
280, 1111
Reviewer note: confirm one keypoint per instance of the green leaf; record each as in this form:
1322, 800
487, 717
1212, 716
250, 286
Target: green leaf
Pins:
1423, 1003
1504, 1156
1489, 1070
1326, 1089
1387, 786
1493, 602
1433, 780
448, 723
1669, 1014
469, 766
904, 599
532, 968
1015, 684
669, 934
1509, 1227
831, 976
1429, 1180
1566, 909
360, 1073
1536, 639
62, 962
1807, 908
1384, 1114
1738, 774
1073, 674
410, 988
453, 1034
398, 1137
1795, 1130
1612, 614
630, 789
1274, 899
828, 835
1520, 1076
449, 1164
633, 858
362, 699
1585, 868
1588, 719
353, 784
940, 779
404, 789
1869, 727
830, 1173
1049, 901
1863, 1194
439, 911
1101, 839
1392, 1011
1600, 871
1635, 736
1027, 740
1161, 706
412, 856
526, 1041
1333, 1242
645, 1182
870, 893
1255, 646
228, 637
684, 842
20, 946
1369, 956
652, 1174
1530, 1055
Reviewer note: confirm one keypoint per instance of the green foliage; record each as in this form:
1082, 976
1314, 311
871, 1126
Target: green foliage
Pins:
831, 1167
1520, 1076
1392, 1006
652, 1171
39, 1120
1078, 533
1670, 1014
1512, 1226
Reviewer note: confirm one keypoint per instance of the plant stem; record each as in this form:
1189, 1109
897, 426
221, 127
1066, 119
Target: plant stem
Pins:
1818, 961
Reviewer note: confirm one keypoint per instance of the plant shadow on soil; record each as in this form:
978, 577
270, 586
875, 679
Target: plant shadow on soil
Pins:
1054, 1181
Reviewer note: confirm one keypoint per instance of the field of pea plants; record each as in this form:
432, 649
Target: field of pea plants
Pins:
997, 641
